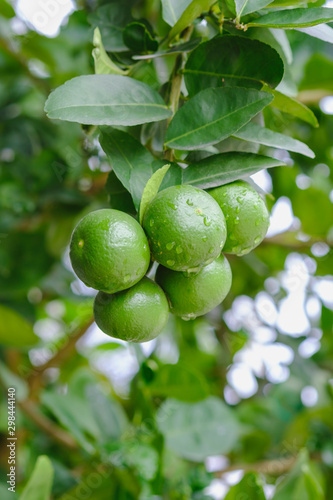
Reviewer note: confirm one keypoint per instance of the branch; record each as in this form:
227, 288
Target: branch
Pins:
288, 240
56, 433
176, 83
36, 377
274, 467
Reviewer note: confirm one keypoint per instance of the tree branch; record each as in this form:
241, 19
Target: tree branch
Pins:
273, 467
36, 377
56, 433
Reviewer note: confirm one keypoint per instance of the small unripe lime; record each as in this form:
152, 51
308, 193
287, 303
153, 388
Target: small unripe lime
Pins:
186, 228
194, 295
246, 216
109, 250
138, 314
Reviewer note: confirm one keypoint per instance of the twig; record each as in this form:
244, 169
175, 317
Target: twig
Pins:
176, 83
273, 467
35, 378
56, 433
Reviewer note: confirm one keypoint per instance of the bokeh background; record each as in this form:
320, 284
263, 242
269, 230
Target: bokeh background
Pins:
267, 352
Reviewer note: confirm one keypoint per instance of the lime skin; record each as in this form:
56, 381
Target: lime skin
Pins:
138, 314
109, 250
196, 294
186, 228
246, 215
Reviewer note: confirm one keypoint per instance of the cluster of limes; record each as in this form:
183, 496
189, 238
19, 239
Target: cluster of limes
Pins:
185, 230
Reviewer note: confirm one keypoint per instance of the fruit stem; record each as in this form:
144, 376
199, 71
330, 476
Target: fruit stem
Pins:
176, 83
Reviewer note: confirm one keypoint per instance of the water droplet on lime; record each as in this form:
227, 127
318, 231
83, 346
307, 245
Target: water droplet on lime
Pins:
237, 209
204, 238
151, 222
179, 249
257, 240
257, 222
171, 205
169, 246
127, 278
211, 250
207, 222
170, 262
236, 221
232, 237
189, 202
239, 199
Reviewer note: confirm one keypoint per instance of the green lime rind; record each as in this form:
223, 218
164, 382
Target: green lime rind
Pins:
109, 250
194, 295
246, 216
138, 314
186, 228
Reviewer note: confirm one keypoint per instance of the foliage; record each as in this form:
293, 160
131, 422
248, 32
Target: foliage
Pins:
218, 91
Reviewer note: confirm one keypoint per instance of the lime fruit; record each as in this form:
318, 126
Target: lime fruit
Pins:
136, 315
186, 228
246, 215
109, 250
194, 295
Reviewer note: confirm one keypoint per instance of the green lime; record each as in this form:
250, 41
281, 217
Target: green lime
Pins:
246, 215
194, 295
186, 228
109, 250
136, 315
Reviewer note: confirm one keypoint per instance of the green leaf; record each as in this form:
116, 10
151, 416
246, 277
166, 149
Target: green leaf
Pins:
179, 382
255, 133
106, 100
194, 10
173, 9
131, 162
137, 38
151, 189
6, 10
176, 49
119, 197
212, 115
111, 19
223, 168
323, 32
303, 482
103, 64
292, 106
142, 457
15, 331
75, 415
249, 488
196, 430
244, 7
318, 74
294, 18
232, 60
40, 482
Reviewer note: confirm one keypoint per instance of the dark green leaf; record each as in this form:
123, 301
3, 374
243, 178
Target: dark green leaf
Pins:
292, 106
130, 161
173, 9
212, 115
111, 19
194, 10
255, 133
318, 74
176, 49
232, 60
226, 167
120, 198
294, 18
151, 189
249, 488
245, 7
197, 430
137, 38
40, 482
179, 382
15, 331
106, 100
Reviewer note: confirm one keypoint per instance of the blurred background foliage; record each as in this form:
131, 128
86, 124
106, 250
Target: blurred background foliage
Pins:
248, 388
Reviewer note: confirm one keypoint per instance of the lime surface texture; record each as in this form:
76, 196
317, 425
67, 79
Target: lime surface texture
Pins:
136, 315
196, 294
186, 228
109, 250
246, 216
